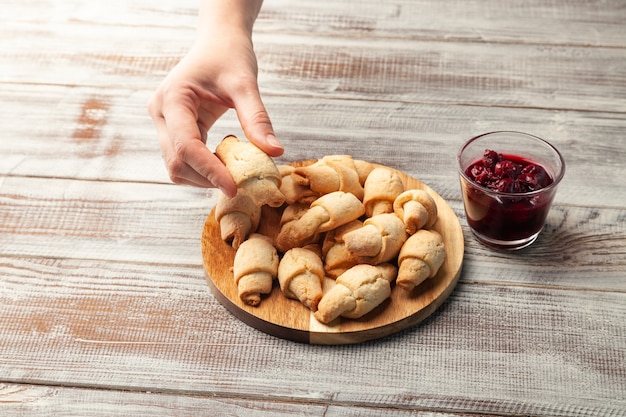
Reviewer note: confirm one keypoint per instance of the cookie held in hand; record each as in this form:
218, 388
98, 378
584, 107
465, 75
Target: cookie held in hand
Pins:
253, 170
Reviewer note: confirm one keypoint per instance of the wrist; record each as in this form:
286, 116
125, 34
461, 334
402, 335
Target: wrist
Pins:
224, 17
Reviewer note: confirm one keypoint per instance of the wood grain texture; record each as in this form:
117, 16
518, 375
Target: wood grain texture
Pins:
83, 48
582, 22
429, 135
19, 400
518, 76
162, 224
166, 332
104, 305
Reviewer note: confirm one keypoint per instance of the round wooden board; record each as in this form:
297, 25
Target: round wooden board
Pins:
288, 319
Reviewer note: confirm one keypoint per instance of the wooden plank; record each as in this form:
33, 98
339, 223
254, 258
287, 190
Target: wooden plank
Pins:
490, 348
162, 224
581, 22
119, 141
87, 45
553, 77
26, 400
19, 400
101, 282
85, 133
418, 71
103, 220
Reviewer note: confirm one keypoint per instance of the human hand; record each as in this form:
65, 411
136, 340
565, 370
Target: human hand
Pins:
215, 75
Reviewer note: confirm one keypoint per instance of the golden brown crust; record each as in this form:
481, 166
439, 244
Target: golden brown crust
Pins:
417, 209
363, 169
326, 213
357, 292
254, 268
253, 170
337, 258
238, 217
342, 207
301, 274
294, 192
420, 258
379, 240
329, 174
382, 186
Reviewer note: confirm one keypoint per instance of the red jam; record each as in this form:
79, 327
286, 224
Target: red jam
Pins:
508, 173
507, 217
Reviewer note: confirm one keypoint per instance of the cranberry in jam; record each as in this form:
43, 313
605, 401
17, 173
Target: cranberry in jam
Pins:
508, 173
517, 213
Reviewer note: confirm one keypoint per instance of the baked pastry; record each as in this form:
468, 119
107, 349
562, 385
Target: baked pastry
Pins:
382, 186
301, 274
329, 174
338, 260
378, 240
417, 209
420, 258
357, 292
253, 170
289, 218
337, 257
238, 217
254, 268
336, 235
363, 168
294, 192
326, 213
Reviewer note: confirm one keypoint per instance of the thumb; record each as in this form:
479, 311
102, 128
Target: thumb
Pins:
257, 125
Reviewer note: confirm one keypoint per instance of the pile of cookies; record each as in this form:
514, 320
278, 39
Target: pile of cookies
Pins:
340, 218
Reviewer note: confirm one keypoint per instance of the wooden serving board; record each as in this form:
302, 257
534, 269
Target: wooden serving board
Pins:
288, 319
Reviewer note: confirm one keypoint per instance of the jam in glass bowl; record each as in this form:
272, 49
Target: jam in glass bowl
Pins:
508, 181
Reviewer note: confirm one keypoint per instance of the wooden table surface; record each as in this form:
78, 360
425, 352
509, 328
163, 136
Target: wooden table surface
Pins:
104, 306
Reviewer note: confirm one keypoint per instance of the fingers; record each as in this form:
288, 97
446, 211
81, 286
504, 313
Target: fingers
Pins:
183, 112
256, 123
204, 165
186, 156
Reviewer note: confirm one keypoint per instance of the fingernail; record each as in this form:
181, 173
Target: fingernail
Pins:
271, 140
